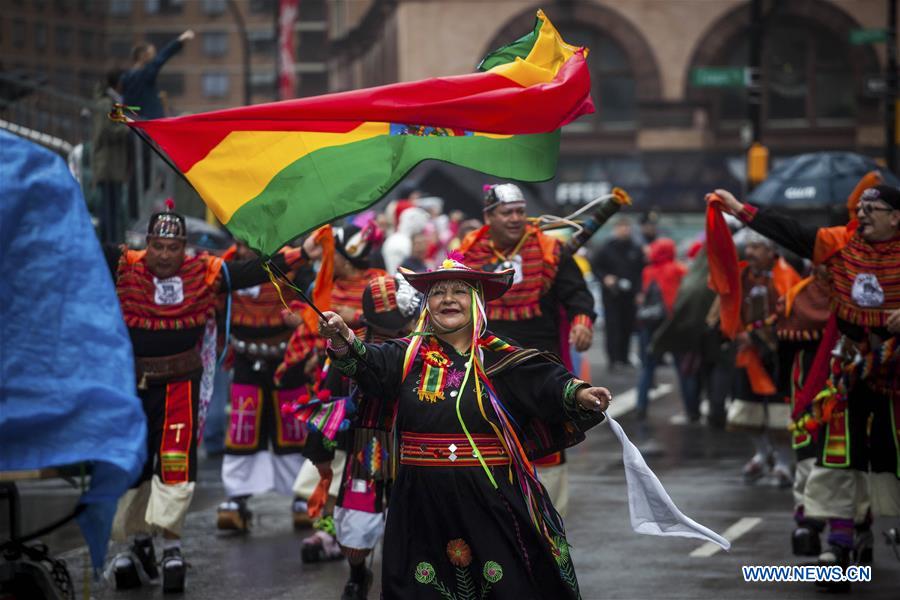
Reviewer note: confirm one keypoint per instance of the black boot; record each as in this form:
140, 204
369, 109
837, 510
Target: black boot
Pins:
137, 566
358, 590
805, 540
863, 544
125, 571
835, 556
146, 555
173, 568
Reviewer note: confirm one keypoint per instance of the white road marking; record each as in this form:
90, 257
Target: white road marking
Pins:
627, 401
741, 527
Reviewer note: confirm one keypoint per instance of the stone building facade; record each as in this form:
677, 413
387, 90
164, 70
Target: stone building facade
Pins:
66, 46
655, 133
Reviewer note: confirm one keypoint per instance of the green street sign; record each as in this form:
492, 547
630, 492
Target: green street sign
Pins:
719, 77
861, 37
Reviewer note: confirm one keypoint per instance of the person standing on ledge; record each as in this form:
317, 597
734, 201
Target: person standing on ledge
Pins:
138, 84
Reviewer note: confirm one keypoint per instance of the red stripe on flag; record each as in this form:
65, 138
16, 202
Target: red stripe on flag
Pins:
481, 102
187, 143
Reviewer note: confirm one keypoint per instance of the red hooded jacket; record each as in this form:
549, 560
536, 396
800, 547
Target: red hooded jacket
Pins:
664, 270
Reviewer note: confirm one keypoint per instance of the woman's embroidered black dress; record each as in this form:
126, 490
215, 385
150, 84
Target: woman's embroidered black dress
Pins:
450, 534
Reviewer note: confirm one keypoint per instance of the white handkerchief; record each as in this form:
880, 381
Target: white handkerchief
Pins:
652, 510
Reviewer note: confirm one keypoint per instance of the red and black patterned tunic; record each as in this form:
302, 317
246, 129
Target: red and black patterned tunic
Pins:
529, 312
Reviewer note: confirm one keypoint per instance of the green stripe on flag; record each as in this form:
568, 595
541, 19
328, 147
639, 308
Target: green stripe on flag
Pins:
510, 52
334, 182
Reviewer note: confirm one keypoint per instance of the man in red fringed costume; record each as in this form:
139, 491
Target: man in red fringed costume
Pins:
859, 406
168, 299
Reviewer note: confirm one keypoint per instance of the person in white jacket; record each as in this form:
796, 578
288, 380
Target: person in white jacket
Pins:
398, 246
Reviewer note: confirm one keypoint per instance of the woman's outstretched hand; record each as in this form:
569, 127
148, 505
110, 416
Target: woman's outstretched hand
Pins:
334, 328
594, 398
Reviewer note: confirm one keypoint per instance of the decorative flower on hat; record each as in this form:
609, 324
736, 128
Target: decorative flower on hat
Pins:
492, 284
453, 261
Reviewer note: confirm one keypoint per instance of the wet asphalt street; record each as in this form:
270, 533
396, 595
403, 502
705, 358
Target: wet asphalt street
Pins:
699, 466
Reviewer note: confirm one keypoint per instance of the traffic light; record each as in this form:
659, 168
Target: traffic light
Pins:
757, 163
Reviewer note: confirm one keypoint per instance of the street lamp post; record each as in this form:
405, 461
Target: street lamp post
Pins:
754, 91
245, 48
757, 154
890, 92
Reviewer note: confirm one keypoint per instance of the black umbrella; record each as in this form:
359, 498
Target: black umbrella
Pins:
816, 180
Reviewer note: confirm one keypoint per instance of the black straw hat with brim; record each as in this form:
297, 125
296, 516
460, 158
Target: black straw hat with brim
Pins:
493, 285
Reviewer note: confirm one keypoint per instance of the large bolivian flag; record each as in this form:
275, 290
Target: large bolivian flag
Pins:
273, 171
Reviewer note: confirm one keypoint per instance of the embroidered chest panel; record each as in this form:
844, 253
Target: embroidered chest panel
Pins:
534, 277
441, 376
259, 306
866, 282
179, 302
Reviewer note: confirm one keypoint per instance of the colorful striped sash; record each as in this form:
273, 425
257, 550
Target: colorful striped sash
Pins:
450, 450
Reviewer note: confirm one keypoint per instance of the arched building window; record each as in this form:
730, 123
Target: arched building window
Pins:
807, 77
612, 80
810, 77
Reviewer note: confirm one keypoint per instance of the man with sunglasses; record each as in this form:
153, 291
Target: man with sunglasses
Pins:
860, 405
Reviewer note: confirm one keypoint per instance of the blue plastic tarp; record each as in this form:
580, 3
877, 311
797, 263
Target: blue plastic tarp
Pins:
67, 391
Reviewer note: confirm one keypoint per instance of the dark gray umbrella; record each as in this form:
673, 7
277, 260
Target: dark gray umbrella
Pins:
816, 180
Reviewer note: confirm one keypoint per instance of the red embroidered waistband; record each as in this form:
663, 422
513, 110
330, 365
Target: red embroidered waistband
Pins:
450, 450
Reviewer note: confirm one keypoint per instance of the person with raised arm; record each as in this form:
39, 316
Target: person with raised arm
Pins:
859, 405
470, 413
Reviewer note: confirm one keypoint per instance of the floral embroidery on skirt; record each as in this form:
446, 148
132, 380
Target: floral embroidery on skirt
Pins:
460, 556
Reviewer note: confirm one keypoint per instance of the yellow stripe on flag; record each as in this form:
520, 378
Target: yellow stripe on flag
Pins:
493, 136
546, 58
240, 167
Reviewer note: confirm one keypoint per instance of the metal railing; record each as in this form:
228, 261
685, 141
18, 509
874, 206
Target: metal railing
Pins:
36, 106
62, 122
